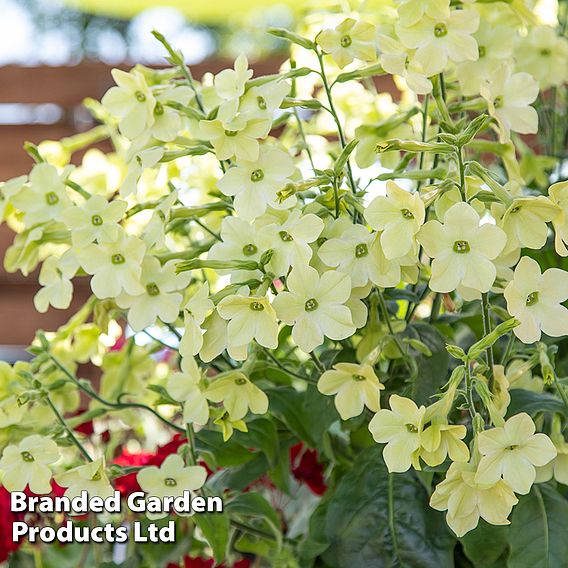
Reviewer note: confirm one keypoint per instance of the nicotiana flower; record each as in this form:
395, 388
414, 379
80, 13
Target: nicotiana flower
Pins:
262, 101
141, 161
27, 464
240, 241
45, 198
250, 317
494, 48
167, 120
195, 311
185, 387
290, 240
440, 440
8, 189
238, 394
255, 184
467, 501
95, 220
399, 215
131, 101
509, 97
357, 252
558, 467
161, 296
171, 479
544, 55
535, 299
216, 340
55, 278
558, 193
90, 477
354, 386
511, 452
462, 250
237, 138
350, 40
400, 428
438, 39
396, 60
115, 266
410, 11
525, 222
229, 87
315, 306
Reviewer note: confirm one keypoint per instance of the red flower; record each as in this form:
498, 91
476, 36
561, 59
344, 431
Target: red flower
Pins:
128, 484
7, 518
306, 468
198, 562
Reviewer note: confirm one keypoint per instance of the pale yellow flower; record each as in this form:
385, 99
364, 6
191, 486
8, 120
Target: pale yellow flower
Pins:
348, 41
90, 477
400, 428
354, 386
27, 464
511, 453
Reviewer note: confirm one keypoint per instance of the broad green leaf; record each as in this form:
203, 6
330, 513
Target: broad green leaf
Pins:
262, 435
381, 520
486, 545
537, 535
215, 528
534, 403
220, 453
432, 370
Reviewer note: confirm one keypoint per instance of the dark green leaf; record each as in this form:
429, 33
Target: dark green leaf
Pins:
381, 520
261, 435
486, 545
215, 528
538, 530
533, 403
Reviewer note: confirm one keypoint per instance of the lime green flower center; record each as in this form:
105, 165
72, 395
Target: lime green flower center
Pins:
512, 447
358, 378
152, 289
285, 236
97, 220
361, 250
250, 249
97, 476
240, 381
256, 306
311, 305
407, 213
440, 30
516, 209
51, 198
482, 51
140, 96
257, 175
320, 241
231, 133
261, 101
461, 247
118, 258
27, 457
345, 40
170, 482
532, 299
545, 52
498, 102
158, 109
411, 428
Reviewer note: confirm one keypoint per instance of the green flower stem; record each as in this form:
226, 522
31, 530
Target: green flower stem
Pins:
486, 331
469, 390
191, 458
76, 187
333, 112
70, 433
561, 391
112, 405
317, 362
207, 229
285, 369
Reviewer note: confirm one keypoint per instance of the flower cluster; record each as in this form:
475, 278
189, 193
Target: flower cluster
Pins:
271, 236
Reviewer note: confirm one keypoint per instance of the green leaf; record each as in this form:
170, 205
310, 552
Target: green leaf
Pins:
486, 545
534, 403
302, 103
221, 454
262, 435
432, 370
215, 528
380, 520
254, 507
537, 535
